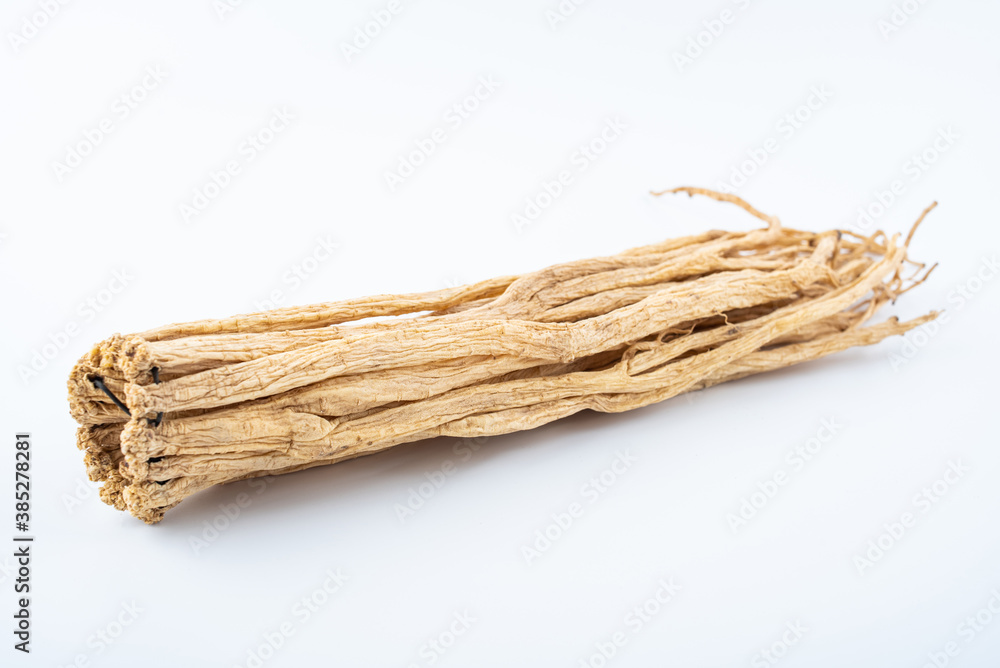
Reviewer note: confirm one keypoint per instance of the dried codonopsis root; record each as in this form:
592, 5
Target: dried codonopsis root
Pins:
177, 409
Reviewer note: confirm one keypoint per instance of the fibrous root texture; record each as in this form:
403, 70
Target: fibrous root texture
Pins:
174, 410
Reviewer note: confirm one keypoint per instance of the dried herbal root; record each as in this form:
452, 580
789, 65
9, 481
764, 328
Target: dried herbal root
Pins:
213, 401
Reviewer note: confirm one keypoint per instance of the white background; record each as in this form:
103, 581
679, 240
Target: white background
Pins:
696, 458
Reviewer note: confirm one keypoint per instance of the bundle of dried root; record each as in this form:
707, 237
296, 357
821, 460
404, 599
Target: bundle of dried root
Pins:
174, 410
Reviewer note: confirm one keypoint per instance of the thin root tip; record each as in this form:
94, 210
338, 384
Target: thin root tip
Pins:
670, 191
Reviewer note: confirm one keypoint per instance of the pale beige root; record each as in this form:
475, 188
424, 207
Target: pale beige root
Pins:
280, 424
334, 313
716, 256
148, 498
99, 437
111, 493
522, 418
294, 432
351, 394
102, 464
643, 371
531, 295
612, 283
199, 353
529, 417
249, 346
102, 447
411, 344
221, 400
151, 498
323, 440
555, 286
360, 392
758, 362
